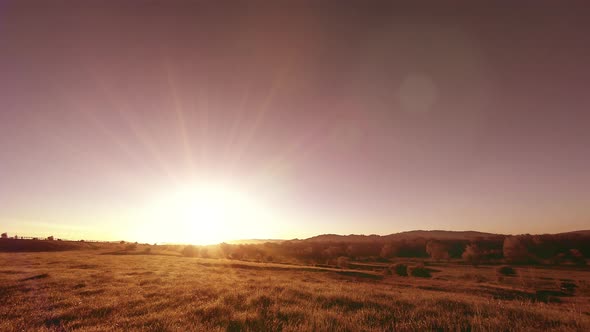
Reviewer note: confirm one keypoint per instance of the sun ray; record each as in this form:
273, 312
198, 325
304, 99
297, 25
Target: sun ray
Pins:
61, 139
261, 113
179, 110
235, 130
100, 127
138, 132
203, 127
296, 152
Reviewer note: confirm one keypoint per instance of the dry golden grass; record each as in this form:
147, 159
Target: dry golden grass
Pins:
94, 291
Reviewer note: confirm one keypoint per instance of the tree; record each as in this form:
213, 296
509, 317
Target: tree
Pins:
238, 252
225, 249
388, 251
342, 262
437, 250
577, 257
472, 254
333, 252
515, 250
190, 251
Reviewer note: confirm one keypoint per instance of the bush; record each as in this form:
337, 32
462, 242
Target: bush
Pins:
189, 251
472, 254
568, 287
400, 269
515, 249
506, 270
420, 271
342, 262
130, 246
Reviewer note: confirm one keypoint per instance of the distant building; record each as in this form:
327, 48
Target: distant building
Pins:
4, 236
50, 238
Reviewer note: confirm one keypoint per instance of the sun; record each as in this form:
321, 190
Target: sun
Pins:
205, 213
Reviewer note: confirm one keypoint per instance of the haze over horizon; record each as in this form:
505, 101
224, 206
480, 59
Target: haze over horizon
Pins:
182, 122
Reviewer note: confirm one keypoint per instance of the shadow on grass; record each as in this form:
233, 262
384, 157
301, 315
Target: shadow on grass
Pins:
84, 266
360, 275
39, 276
12, 272
57, 323
357, 274
138, 253
546, 296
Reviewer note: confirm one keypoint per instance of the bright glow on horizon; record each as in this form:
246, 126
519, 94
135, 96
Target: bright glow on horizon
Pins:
204, 213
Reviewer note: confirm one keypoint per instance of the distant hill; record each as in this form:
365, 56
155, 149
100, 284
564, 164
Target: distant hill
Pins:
254, 241
19, 245
434, 234
443, 235
580, 232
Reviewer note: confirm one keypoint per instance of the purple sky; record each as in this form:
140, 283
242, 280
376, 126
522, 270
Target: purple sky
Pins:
345, 118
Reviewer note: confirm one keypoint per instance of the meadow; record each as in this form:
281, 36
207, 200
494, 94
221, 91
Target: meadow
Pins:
151, 290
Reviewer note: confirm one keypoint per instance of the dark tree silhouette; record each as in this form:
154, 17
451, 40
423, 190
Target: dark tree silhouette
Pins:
437, 250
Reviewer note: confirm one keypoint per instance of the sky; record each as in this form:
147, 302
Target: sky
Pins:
205, 121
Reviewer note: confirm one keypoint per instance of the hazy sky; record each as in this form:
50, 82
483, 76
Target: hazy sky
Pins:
341, 118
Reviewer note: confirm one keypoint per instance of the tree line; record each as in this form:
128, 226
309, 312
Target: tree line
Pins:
571, 248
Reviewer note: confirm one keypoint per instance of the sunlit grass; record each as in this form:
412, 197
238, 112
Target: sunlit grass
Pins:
93, 292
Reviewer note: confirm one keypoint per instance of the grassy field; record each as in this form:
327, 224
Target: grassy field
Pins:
98, 290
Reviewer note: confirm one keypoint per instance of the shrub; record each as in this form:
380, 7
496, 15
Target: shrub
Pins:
506, 270
568, 287
189, 251
420, 271
472, 254
131, 246
577, 257
437, 250
400, 269
475, 277
515, 250
342, 261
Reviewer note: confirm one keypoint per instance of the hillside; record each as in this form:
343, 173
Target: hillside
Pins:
434, 234
19, 245
408, 235
580, 232
254, 241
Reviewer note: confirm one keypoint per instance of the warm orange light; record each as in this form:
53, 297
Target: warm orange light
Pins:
205, 213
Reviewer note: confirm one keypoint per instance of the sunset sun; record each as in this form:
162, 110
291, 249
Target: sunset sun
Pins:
204, 213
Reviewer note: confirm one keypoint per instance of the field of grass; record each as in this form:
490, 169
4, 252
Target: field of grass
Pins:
101, 290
